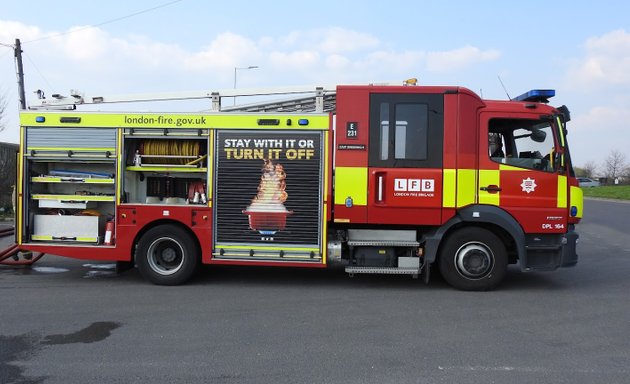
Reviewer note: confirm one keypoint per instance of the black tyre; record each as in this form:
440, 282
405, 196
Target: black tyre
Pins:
473, 259
167, 255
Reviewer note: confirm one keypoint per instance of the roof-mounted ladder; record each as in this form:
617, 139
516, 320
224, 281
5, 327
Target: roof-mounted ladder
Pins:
303, 99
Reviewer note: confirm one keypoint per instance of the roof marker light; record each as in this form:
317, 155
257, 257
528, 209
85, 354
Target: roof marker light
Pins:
70, 119
268, 121
40, 119
537, 95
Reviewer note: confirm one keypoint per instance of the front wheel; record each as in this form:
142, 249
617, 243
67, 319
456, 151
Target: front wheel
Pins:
167, 255
473, 259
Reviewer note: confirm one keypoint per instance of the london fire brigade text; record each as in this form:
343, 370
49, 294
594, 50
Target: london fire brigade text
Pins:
414, 187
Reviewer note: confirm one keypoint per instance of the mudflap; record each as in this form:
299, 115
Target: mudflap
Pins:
569, 250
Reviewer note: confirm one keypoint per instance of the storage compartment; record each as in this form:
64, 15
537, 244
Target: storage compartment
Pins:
167, 167
89, 229
69, 195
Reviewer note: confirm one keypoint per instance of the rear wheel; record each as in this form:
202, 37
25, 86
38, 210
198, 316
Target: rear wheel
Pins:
167, 255
473, 259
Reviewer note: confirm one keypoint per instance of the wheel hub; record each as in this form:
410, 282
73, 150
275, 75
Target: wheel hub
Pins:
165, 256
169, 255
474, 260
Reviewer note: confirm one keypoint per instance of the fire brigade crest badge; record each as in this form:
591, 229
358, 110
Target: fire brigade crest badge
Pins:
528, 185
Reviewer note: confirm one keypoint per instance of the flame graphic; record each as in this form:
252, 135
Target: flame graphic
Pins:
272, 184
267, 213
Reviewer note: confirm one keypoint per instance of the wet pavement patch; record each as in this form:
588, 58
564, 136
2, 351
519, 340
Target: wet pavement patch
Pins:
98, 331
17, 348
101, 266
50, 269
100, 270
94, 274
21, 348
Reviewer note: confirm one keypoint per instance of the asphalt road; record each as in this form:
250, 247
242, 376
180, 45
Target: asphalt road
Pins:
71, 321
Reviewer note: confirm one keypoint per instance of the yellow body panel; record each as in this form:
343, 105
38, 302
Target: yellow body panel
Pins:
466, 187
173, 120
562, 191
489, 177
449, 189
78, 239
351, 182
577, 200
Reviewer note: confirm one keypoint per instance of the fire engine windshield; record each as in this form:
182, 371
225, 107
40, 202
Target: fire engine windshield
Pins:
523, 143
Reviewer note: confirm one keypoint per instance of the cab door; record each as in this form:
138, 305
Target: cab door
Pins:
520, 173
405, 158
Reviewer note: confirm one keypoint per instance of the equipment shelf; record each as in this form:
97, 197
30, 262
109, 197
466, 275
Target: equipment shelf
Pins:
163, 168
43, 196
78, 180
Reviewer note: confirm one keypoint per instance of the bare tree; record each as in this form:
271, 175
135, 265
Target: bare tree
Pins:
588, 170
615, 164
3, 110
7, 172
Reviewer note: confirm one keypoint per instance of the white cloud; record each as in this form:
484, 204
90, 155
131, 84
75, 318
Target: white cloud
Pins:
598, 83
142, 52
459, 58
392, 64
86, 44
10, 30
227, 50
598, 130
328, 40
297, 60
606, 62
339, 40
337, 62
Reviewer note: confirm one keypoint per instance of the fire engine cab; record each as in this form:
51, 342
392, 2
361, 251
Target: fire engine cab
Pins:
381, 179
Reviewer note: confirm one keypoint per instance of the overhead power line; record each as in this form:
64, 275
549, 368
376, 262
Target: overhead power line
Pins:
104, 22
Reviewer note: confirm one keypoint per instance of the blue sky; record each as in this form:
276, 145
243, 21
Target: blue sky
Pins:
580, 49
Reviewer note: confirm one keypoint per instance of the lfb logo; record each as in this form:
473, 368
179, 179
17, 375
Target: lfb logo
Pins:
529, 185
414, 185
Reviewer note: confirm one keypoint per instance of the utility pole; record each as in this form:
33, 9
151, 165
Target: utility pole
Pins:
20, 73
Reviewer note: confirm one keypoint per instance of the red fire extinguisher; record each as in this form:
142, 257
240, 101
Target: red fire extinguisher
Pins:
109, 233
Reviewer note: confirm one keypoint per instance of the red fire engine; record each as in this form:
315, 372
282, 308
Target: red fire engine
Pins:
379, 179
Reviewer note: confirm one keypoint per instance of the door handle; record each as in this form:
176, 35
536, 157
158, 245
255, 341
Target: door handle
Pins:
491, 188
380, 181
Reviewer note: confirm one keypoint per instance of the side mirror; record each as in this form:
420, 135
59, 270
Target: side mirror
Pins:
565, 113
538, 135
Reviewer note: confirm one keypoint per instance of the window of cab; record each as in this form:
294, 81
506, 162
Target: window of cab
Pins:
522, 143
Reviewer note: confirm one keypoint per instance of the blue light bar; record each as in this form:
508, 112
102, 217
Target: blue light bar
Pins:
40, 119
537, 95
303, 122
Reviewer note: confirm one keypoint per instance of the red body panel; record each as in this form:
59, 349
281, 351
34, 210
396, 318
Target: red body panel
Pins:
353, 105
405, 196
131, 219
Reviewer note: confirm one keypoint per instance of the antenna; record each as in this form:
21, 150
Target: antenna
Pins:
504, 89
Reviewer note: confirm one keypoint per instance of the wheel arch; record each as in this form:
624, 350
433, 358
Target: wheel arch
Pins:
492, 218
158, 223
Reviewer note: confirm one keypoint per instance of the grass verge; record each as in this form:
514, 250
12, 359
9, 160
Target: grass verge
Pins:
621, 192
